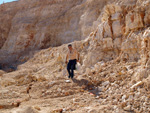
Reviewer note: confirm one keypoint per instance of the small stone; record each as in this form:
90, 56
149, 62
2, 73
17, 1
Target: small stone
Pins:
105, 83
127, 108
137, 95
67, 81
38, 108
115, 107
76, 100
123, 104
64, 110
66, 93
137, 84
124, 97
97, 97
59, 90
92, 111
92, 94
1, 107
131, 97
58, 111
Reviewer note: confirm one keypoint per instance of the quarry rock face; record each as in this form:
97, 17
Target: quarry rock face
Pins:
113, 73
32, 25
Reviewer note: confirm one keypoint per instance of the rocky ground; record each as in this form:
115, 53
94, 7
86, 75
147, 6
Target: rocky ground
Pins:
112, 88
113, 75
41, 86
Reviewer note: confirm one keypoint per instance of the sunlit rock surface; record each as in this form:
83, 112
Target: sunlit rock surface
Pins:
114, 71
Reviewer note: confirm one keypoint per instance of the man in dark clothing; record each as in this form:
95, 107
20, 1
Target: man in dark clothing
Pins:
73, 57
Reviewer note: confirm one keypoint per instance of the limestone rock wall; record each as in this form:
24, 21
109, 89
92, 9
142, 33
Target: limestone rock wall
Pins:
121, 31
114, 74
117, 28
37, 24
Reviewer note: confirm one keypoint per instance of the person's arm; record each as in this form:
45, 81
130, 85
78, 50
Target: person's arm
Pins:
78, 56
66, 58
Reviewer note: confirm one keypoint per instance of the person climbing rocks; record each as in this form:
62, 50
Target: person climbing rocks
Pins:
73, 57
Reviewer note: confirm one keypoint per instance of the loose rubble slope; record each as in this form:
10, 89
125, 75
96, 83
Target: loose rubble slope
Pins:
114, 75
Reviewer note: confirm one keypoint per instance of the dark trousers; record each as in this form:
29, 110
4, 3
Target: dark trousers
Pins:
71, 67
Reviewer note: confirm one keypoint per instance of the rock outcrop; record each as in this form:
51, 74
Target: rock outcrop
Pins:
33, 25
114, 73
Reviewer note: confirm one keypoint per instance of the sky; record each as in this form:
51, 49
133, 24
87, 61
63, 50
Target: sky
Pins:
1, 1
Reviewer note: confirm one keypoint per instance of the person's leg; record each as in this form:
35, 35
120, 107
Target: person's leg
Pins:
75, 62
73, 68
68, 68
72, 71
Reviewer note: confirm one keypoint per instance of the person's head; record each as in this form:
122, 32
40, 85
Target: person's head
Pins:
70, 47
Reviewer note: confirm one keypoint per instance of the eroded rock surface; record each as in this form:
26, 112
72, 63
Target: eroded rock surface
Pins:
114, 74
33, 25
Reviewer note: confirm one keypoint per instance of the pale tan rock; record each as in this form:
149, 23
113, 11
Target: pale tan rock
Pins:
110, 10
7, 82
107, 43
116, 16
91, 58
25, 110
2, 72
134, 21
105, 83
130, 47
117, 42
127, 108
92, 111
104, 31
107, 29
147, 18
137, 84
56, 23
99, 33
116, 82
117, 29
38, 108
141, 74
97, 66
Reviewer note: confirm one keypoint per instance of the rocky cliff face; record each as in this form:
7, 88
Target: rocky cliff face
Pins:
33, 25
114, 73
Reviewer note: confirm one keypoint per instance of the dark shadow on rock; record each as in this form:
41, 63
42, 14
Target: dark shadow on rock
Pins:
10, 62
8, 67
0, 66
89, 86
